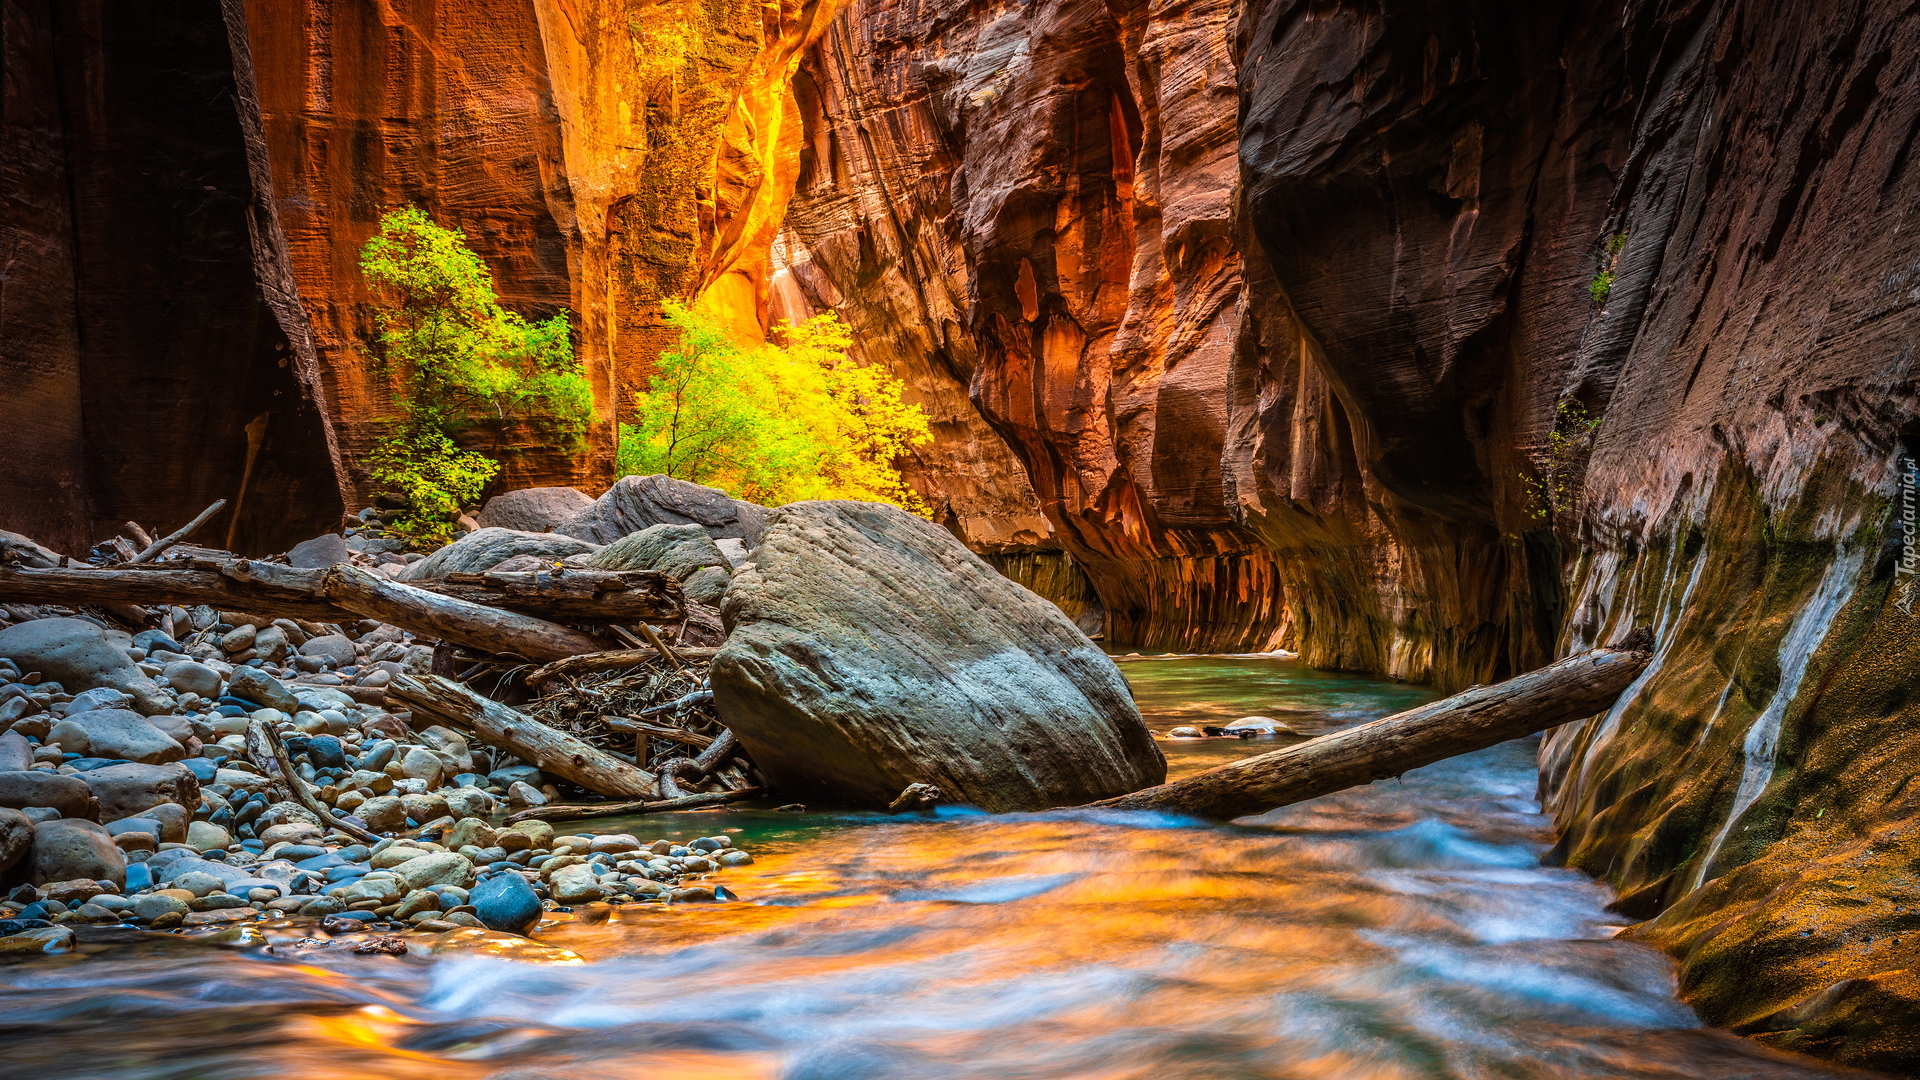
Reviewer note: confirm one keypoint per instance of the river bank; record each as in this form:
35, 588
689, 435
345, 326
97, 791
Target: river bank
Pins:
1404, 929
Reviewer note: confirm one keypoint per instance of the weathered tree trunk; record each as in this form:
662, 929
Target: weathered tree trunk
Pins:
337, 594
573, 811
626, 595
1484, 716
523, 736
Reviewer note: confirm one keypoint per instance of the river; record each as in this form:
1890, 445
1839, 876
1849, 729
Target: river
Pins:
1407, 930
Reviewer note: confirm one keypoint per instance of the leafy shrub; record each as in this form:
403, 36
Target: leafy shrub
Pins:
460, 361
1601, 287
431, 478
796, 419
1552, 490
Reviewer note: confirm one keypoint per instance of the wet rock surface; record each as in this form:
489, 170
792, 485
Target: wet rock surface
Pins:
870, 650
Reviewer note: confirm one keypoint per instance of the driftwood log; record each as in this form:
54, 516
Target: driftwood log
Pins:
615, 660
489, 619
1484, 716
524, 737
625, 595
263, 732
576, 811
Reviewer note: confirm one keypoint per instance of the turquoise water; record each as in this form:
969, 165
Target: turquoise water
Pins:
1401, 931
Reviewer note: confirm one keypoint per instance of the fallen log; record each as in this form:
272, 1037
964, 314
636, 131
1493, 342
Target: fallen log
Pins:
576, 811
509, 729
340, 593
625, 595
615, 660
488, 629
1475, 719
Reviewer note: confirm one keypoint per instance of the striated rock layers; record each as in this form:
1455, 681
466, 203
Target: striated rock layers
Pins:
1026, 213
601, 157
1292, 320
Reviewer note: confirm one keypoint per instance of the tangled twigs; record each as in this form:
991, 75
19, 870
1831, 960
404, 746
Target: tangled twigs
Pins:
698, 767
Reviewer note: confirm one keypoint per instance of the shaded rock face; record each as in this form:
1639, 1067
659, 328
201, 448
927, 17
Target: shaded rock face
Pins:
869, 650
1742, 494
1029, 219
143, 370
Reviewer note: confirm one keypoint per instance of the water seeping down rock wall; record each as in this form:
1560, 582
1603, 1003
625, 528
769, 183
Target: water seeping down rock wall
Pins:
1287, 334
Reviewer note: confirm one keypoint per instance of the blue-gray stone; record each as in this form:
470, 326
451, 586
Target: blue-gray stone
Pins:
203, 769
505, 902
138, 877
325, 752
378, 755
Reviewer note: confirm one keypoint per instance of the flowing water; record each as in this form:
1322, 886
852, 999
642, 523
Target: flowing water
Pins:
1406, 930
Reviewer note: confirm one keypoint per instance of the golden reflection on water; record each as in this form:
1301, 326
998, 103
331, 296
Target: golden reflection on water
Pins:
1393, 933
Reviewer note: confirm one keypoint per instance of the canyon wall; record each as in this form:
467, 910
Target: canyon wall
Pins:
1319, 345
1025, 210
601, 160
142, 373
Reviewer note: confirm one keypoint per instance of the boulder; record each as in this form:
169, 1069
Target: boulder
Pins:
120, 733
16, 836
69, 848
436, 868
320, 552
252, 684
67, 794
188, 676
505, 902
481, 551
638, 502
79, 656
383, 814
535, 510
870, 650
126, 790
206, 836
16, 753
707, 585
335, 649
675, 550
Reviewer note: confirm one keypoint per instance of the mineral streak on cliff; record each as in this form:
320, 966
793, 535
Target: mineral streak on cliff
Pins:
601, 157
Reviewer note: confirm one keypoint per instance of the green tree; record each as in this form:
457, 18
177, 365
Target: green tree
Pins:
794, 419
459, 360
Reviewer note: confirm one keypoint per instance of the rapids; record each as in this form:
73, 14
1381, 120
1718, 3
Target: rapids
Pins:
1407, 930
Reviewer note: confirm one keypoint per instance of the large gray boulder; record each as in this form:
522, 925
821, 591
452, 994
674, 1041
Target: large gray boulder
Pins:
678, 551
65, 849
322, 551
638, 502
67, 794
478, 552
534, 510
870, 650
78, 655
126, 790
16, 836
118, 733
